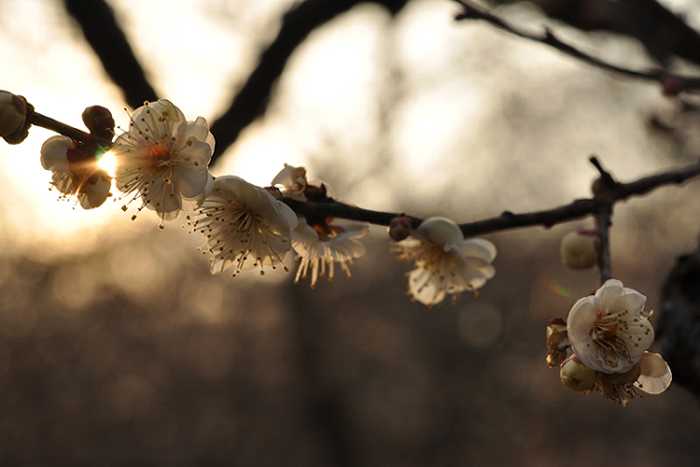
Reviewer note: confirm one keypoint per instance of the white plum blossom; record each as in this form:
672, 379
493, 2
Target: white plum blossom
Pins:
163, 158
610, 331
445, 262
245, 226
73, 174
609, 334
321, 246
293, 182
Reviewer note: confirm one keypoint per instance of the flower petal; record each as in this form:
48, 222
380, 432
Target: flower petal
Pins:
440, 231
631, 301
581, 320
606, 296
424, 286
655, 375
479, 248
94, 195
53, 153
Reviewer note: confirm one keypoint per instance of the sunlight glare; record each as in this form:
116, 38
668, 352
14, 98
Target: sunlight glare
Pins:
108, 163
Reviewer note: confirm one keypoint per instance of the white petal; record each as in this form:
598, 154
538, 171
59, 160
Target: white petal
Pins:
63, 182
606, 296
423, 287
631, 301
93, 195
480, 248
440, 231
581, 320
53, 153
304, 233
655, 375
638, 336
286, 177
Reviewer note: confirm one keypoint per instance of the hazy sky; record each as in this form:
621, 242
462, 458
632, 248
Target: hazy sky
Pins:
419, 111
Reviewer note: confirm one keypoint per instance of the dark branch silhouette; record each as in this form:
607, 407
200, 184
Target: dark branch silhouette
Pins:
608, 195
101, 31
663, 33
252, 99
668, 79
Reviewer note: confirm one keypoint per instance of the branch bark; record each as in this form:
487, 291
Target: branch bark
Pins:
680, 82
507, 220
662, 32
102, 32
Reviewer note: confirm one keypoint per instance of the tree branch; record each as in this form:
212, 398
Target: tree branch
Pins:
78, 135
507, 220
663, 33
252, 99
681, 82
606, 195
96, 20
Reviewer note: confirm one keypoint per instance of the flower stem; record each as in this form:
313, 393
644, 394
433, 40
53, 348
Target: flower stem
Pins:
54, 125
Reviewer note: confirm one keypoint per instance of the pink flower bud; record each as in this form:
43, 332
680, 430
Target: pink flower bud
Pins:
671, 85
275, 192
399, 228
99, 121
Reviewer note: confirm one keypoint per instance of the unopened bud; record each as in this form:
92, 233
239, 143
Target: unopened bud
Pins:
13, 112
399, 228
99, 121
275, 192
579, 249
597, 186
577, 376
671, 85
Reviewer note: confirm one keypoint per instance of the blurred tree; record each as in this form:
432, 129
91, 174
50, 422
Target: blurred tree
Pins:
101, 30
664, 34
96, 20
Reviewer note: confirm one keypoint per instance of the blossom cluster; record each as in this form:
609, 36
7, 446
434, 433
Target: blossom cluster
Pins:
603, 346
162, 160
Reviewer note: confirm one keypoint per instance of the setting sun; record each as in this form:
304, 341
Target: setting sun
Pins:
108, 163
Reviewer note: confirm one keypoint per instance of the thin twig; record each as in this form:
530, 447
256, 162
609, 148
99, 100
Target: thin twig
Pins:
78, 135
472, 11
576, 210
603, 220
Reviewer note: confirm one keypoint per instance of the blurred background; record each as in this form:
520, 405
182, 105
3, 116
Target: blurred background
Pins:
117, 347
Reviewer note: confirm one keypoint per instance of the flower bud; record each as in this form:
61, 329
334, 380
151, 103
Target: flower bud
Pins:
579, 249
399, 228
671, 85
13, 111
99, 121
597, 187
275, 192
577, 376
